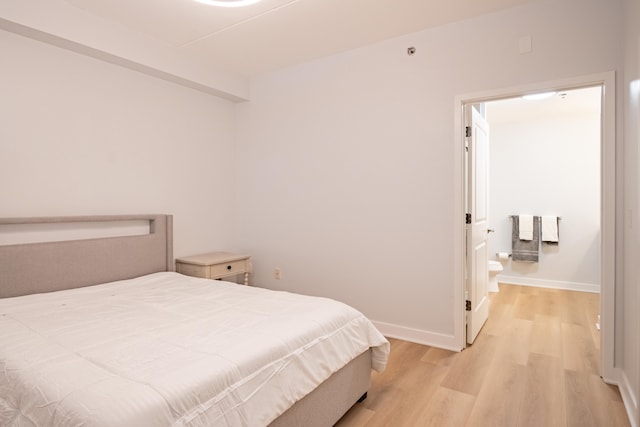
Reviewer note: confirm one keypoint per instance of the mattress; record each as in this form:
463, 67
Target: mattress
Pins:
171, 350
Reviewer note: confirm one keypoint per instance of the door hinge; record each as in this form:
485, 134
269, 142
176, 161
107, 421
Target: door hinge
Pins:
467, 218
467, 132
468, 305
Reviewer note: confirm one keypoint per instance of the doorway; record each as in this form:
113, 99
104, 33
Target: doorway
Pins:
606, 82
544, 158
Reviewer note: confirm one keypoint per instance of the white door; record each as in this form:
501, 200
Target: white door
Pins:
477, 274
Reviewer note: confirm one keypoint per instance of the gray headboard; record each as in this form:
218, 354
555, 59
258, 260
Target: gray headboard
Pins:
50, 266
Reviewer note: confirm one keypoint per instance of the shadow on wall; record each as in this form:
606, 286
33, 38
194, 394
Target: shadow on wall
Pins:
524, 268
591, 252
547, 249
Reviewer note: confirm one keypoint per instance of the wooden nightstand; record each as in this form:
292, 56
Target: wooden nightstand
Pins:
214, 265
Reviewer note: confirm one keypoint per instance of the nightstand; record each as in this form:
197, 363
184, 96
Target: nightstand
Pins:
215, 265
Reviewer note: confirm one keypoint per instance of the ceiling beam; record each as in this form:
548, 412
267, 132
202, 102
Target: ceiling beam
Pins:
59, 24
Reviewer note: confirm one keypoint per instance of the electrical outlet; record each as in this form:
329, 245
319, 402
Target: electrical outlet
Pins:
277, 274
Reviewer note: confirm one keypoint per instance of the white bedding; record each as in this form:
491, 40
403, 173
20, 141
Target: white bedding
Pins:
171, 350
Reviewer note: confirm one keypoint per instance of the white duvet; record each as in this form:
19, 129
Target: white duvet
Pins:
171, 350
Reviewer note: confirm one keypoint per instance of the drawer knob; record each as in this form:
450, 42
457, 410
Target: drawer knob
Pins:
228, 267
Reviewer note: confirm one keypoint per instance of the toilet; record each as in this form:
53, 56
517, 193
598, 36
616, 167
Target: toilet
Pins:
494, 268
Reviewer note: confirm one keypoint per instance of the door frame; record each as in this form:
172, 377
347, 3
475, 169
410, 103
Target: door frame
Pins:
607, 203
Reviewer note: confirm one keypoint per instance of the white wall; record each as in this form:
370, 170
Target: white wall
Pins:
630, 294
350, 190
548, 165
80, 136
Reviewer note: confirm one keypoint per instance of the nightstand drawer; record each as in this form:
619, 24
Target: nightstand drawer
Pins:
228, 268
193, 270
215, 265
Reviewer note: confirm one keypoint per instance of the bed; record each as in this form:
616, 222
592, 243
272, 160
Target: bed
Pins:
102, 332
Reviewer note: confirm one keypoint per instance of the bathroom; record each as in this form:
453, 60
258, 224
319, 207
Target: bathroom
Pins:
544, 159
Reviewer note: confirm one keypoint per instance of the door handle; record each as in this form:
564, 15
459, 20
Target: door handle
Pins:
490, 230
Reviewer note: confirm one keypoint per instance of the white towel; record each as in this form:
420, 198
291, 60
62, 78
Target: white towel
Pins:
550, 228
525, 224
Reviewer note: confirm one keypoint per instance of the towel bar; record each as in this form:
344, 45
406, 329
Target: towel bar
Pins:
539, 217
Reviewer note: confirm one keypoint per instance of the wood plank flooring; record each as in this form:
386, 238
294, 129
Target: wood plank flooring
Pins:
534, 364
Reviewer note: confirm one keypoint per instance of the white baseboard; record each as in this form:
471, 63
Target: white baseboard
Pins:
417, 336
552, 284
630, 400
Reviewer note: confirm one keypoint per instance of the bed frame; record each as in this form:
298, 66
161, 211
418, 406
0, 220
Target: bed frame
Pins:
52, 266
29, 268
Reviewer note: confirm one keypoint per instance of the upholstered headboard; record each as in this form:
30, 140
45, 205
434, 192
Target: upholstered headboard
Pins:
28, 268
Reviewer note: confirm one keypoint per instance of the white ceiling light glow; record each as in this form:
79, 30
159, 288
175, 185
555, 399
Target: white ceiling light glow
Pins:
228, 3
538, 96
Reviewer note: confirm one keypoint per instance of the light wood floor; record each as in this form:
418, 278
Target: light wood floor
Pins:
534, 364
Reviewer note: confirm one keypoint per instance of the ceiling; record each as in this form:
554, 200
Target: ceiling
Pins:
273, 34
562, 104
